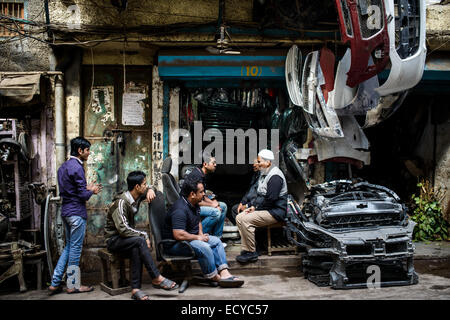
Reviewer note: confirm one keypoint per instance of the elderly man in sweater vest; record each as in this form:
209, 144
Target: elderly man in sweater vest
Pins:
267, 208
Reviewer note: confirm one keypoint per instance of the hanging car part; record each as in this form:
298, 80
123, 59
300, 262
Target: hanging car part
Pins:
406, 27
293, 69
366, 98
385, 108
309, 81
321, 118
363, 24
342, 94
295, 167
345, 227
354, 145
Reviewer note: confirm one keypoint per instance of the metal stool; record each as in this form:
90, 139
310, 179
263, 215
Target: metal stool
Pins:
115, 264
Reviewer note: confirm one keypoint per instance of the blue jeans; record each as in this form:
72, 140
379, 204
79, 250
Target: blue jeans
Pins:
213, 219
75, 228
211, 255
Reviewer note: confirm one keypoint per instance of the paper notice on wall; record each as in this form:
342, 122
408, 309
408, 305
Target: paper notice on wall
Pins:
133, 112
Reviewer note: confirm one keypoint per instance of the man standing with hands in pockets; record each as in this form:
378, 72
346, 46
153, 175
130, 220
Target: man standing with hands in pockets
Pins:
74, 192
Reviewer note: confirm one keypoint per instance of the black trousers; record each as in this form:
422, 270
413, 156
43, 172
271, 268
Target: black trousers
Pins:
135, 248
231, 215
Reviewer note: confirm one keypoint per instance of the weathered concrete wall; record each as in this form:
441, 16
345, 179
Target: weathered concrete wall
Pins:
26, 54
73, 98
438, 27
147, 12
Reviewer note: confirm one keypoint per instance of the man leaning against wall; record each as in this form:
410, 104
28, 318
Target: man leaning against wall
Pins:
74, 192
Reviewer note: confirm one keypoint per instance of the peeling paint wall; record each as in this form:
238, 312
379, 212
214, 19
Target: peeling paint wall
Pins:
157, 128
174, 118
146, 12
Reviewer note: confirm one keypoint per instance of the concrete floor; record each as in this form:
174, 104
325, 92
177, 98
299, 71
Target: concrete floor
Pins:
270, 284
278, 277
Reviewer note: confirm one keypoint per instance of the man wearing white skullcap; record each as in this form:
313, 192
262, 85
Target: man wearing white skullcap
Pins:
267, 208
266, 154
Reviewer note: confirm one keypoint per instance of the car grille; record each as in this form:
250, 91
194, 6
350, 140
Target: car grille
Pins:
361, 220
407, 27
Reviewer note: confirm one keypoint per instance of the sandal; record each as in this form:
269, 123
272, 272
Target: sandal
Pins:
140, 295
77, 290
231, 282
166, 284
57, 290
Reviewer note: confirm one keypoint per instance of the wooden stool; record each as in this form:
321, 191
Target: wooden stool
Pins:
272, 248
115, 263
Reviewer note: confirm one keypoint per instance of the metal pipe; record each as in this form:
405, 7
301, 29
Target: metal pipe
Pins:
59, 122
60, 139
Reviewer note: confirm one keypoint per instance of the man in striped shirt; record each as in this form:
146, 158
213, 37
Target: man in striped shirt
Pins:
122, 236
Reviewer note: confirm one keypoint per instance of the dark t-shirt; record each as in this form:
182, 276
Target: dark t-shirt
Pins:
182, 216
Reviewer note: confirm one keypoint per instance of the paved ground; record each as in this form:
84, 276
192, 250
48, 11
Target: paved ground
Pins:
272, 284
269, 281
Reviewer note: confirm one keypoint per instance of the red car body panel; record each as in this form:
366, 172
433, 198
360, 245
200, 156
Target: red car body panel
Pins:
362, 48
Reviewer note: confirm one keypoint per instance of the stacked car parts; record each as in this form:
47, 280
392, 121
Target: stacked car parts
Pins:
347, 227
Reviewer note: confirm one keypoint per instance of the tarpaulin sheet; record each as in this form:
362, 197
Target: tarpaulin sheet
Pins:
20, 87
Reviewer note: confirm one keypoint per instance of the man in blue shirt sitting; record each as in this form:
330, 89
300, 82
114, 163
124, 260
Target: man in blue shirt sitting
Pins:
183, 223
212, 212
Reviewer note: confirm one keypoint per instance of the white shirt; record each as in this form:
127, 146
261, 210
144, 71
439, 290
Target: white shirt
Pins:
131, 201
81, 162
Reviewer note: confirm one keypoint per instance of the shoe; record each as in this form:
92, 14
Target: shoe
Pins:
247, 257
224, 244
231, 282
78, 290
57, 290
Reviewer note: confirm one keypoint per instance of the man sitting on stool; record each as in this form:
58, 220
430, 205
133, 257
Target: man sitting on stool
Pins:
250, 195
121, 237
268, 208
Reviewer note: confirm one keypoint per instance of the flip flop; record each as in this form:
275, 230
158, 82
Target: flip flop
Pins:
231, 282
138, 295
166, 284
58, 289
80, 291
